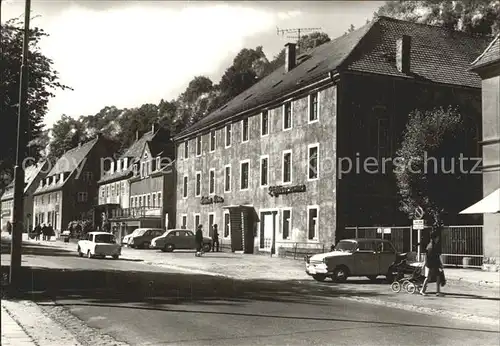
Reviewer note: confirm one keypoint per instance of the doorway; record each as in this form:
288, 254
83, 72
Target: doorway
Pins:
267, 230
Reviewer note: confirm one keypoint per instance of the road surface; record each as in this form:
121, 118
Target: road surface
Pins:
146, 305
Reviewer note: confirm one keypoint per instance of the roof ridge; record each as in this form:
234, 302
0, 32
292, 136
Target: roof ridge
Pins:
487, 49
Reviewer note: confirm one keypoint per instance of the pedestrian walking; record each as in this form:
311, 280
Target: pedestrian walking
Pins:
199, 240
38, 232
433, 264
215, 239
44, 232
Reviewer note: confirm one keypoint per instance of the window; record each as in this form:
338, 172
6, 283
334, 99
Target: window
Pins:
286, 223
287, 166
244, 171
212, 140
198, 146
244, 130
227, 178
287, 116
312, 222
228, 136
158, 163
184, 221
87, 176
264, 170
313, 107
211, 221
154, 200
185, 187
48, 198
211, 186
227, 224
196, 220
198, 184
313, 162
264, 123
160, 201
186, 149
82, 197
149, 201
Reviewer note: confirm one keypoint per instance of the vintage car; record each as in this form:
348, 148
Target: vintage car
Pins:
99, 244
141, 237
174, 239
354, 257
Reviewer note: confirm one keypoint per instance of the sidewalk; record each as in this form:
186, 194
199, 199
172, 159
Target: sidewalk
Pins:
23, 324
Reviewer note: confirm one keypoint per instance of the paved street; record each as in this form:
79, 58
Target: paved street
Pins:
142, 304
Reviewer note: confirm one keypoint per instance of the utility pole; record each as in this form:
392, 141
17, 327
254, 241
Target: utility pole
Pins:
22, 120
296, 32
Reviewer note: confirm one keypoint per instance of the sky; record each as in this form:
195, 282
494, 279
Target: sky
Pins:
127, 53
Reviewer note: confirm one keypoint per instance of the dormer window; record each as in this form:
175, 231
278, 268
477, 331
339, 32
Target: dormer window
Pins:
125, 163
61, 177
118, 165
47, 181
112, 168
41, 183
135, 169
158, 163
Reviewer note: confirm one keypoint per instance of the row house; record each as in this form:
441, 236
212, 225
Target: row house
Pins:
69, 190
265, 167
32, 176
138, 190
487, 66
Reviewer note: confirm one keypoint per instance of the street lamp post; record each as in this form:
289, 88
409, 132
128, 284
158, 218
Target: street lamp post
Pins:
17, 231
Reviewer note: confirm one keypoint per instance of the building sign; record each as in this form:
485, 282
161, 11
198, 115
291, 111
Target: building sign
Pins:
5, 212
275, 191
212, 200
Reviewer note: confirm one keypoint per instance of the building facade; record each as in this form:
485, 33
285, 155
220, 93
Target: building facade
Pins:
265, 167
32, 177
487, 65
69, 191
141, 190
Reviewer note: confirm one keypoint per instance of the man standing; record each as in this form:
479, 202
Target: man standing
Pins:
215, 238
37, 231
199, 240
433, 264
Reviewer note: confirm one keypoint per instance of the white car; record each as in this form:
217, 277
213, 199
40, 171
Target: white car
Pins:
99, 244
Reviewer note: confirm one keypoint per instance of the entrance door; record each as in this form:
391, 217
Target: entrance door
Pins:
266, 231
211, 221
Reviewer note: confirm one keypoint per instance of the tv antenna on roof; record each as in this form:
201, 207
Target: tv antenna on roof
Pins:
296, 32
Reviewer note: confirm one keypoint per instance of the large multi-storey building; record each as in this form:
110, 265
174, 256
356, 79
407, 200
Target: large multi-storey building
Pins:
266, 167
32, 177
140, 186
69, 191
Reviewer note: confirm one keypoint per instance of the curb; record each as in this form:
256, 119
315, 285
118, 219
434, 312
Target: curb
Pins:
424, 310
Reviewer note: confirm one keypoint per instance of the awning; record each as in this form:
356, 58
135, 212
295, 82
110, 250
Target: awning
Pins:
488, 205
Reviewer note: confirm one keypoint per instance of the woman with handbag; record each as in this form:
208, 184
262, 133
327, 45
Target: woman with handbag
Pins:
433, 265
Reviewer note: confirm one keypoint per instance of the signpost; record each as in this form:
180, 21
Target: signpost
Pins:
418, 224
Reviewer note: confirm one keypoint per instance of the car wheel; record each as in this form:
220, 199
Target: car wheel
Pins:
116, 257
89, 254
319, 277
207, 247
340, 274
169, 248
80, 254
372, 277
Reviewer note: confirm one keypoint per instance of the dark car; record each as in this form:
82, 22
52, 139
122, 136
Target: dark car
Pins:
141, 237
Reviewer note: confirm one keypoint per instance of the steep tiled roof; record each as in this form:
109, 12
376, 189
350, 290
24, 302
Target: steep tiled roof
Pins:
135, 150
30, 174
490, 54
437, 55
67, 164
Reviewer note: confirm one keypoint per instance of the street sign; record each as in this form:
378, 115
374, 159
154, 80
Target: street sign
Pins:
419, 213
418, 224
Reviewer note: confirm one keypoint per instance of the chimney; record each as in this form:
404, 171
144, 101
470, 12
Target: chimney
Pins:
136, 135
290, 56
153, 128
403, 49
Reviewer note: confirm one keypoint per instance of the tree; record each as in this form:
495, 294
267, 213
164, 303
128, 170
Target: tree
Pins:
429, 134
67, 132
471, 16
43, 80
351, 29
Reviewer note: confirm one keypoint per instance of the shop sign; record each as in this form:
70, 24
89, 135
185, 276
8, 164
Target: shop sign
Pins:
275, 191
212, 200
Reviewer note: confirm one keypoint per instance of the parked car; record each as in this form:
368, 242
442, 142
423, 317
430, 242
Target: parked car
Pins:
141, 237
99, 244
179, 239
354, 257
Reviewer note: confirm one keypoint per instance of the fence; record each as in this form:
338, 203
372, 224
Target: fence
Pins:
460, 245
295, 250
